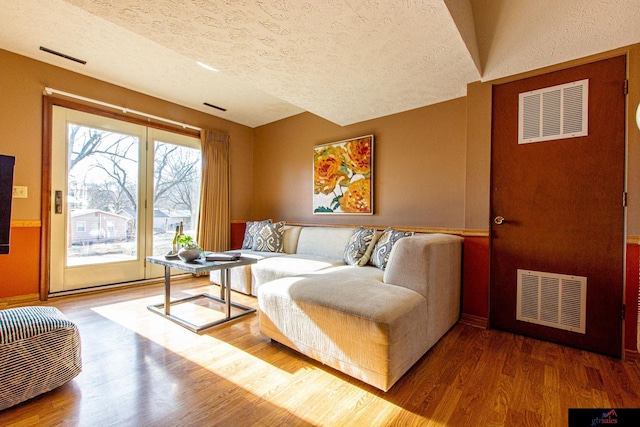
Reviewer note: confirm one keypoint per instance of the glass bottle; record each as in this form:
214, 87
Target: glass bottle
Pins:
175, 240
180, 234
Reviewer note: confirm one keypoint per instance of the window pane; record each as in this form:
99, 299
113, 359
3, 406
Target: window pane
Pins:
102, 196
177, 174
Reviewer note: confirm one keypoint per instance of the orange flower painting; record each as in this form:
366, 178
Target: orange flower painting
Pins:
342, 177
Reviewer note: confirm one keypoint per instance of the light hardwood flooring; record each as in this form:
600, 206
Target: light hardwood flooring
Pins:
142, 370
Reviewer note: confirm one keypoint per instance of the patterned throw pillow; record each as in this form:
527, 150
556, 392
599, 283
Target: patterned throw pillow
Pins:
389, 237
359, 248
269, 238
250, 232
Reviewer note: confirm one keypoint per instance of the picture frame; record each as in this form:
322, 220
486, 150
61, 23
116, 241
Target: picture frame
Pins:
343, 177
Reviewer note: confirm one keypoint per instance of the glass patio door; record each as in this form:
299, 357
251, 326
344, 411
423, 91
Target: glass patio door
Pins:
175, 194
118, 190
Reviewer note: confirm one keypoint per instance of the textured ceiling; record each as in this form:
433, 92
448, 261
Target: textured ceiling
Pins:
344, 60
518, 36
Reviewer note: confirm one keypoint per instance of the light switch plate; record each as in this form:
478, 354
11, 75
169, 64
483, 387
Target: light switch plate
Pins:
19, 192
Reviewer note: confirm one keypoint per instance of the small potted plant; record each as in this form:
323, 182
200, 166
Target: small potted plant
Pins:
190, 250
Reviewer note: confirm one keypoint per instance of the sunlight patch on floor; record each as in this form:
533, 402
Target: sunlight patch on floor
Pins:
275, 385
182, 341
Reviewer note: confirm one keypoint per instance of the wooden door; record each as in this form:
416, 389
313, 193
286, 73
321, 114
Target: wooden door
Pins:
562, 204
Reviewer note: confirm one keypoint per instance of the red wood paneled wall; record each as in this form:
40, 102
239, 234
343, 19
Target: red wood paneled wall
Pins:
475, 277
20, 269
237, 234
631, 297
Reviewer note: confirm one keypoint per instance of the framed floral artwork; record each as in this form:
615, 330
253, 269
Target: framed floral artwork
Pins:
343, 177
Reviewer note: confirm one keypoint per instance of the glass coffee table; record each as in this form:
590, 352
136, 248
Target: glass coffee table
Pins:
200, 266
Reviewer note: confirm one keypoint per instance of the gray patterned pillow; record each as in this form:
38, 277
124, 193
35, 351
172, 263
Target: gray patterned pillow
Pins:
389, 237
359, 248
250, 232
270, 238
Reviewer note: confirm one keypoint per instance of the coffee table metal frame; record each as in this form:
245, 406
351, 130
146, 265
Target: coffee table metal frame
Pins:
200, 266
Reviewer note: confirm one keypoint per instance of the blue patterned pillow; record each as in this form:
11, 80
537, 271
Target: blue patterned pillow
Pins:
358, 250
269, 238
382, 250
250, 232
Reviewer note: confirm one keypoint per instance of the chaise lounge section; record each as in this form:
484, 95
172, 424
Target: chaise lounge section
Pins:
371, 323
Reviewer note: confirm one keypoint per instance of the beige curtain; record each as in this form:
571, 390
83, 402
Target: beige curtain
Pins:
214, 220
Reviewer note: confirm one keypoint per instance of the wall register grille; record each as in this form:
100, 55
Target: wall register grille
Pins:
555, 112
554, 300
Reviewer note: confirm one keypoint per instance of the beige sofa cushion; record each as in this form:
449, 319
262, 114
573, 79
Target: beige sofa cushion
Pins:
274, 268
324, 242
291, 235
240, 277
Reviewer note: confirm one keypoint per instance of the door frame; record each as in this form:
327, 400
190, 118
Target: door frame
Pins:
48, 102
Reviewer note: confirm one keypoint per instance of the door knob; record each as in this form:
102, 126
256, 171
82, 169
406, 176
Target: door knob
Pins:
498, 220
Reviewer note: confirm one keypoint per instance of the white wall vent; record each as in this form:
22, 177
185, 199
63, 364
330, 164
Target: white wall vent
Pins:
555, 112
554, 300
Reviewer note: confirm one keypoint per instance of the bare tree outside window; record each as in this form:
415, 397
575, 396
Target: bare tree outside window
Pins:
177, 179
103, 191
177, 175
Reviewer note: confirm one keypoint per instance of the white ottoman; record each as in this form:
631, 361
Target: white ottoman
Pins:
39, 351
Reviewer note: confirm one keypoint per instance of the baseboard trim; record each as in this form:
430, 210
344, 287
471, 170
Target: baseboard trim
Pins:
103, 288
19, 300
631, 356
475, 321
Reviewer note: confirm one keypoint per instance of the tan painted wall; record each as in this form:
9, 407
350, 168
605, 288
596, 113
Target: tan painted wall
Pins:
21, 86
419, 167
478, 167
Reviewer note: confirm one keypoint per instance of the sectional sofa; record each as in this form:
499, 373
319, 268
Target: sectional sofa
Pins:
366, 302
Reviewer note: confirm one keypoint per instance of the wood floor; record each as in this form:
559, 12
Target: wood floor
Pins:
142, 370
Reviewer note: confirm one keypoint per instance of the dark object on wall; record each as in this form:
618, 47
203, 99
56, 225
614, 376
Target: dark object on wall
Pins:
6, 193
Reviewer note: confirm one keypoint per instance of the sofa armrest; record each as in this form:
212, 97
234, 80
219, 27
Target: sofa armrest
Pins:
430, 264
423, 262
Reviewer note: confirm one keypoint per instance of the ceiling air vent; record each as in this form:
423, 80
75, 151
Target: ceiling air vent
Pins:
554, 300
555, 112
